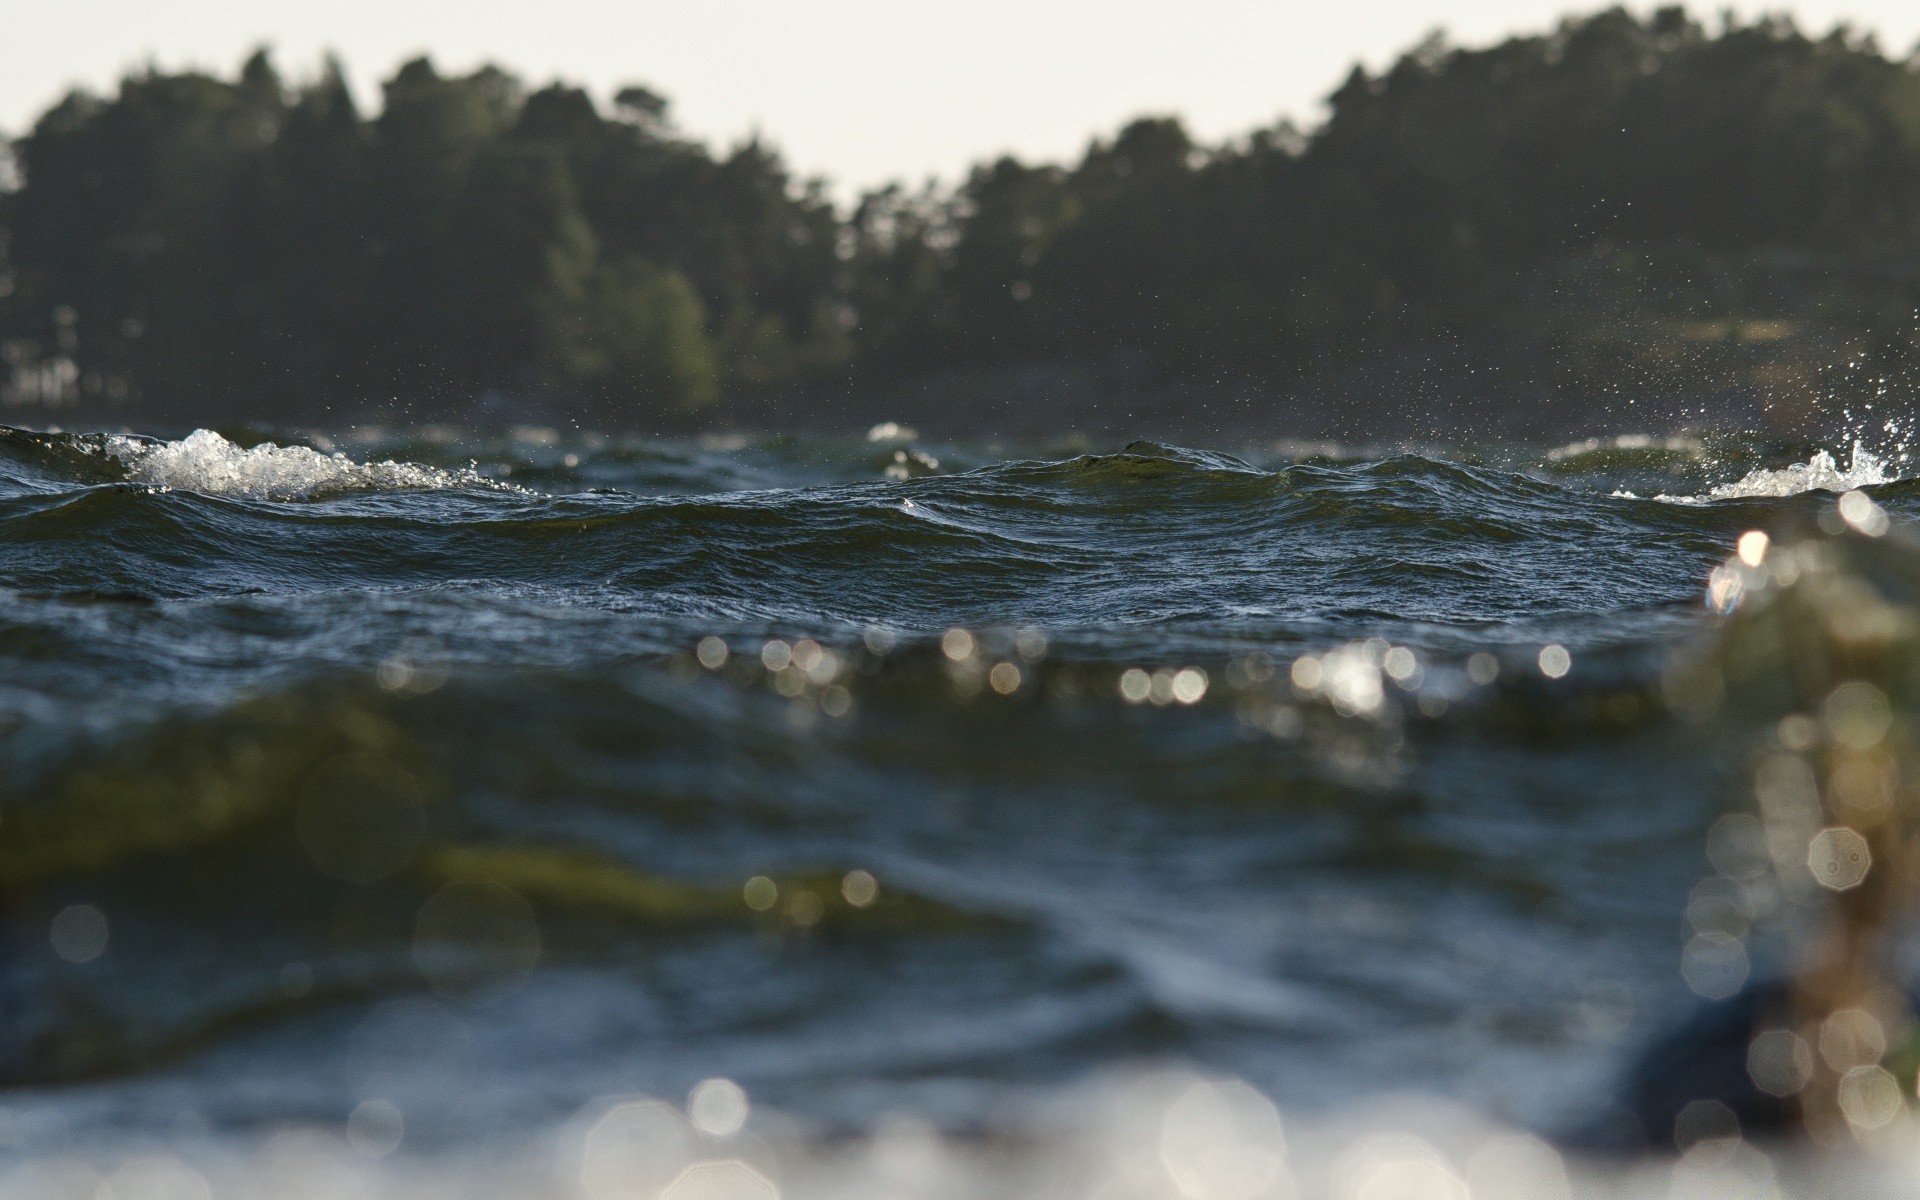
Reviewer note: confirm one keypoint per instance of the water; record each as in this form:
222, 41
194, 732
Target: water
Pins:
380, 813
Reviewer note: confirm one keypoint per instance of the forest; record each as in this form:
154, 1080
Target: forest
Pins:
1559, 207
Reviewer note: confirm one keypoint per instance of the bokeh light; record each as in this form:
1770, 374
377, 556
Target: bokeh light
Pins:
79, 933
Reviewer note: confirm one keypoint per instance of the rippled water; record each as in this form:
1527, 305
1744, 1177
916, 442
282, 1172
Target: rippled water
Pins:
423, 795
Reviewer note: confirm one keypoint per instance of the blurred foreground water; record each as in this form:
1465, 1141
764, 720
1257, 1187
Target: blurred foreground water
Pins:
557, 815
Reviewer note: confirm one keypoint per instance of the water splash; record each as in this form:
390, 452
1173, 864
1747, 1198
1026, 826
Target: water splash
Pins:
1822, 472
1819, 473
206, 462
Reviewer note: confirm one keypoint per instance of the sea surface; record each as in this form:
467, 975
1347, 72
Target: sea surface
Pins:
429, 813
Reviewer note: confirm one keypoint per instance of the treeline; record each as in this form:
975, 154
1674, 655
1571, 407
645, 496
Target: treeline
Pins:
252, 248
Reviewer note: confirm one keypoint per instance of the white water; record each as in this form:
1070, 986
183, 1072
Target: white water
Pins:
1822, 473
1819, 473
206, 462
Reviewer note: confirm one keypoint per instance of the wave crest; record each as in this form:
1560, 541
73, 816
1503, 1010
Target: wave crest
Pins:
1819, 473
206, 462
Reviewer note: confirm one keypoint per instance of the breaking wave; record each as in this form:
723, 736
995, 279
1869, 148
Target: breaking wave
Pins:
206, 462
1820, 473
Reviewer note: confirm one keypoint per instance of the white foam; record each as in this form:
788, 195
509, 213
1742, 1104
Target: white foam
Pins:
206, 462
1821, 473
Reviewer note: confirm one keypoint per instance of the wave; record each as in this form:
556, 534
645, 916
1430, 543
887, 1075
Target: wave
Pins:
205, 462
1820, 473
1095, 540
1049, 737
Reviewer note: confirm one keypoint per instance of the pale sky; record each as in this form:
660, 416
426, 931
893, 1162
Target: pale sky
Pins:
862, 91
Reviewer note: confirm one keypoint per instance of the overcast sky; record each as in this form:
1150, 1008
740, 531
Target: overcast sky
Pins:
859, 90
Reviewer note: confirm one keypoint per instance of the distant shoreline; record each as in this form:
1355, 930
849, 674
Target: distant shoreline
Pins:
1621, 222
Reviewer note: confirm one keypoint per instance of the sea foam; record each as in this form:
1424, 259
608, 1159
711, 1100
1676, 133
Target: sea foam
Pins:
1821, 473
206, 462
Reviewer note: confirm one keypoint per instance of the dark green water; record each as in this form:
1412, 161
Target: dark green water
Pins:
890, 781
